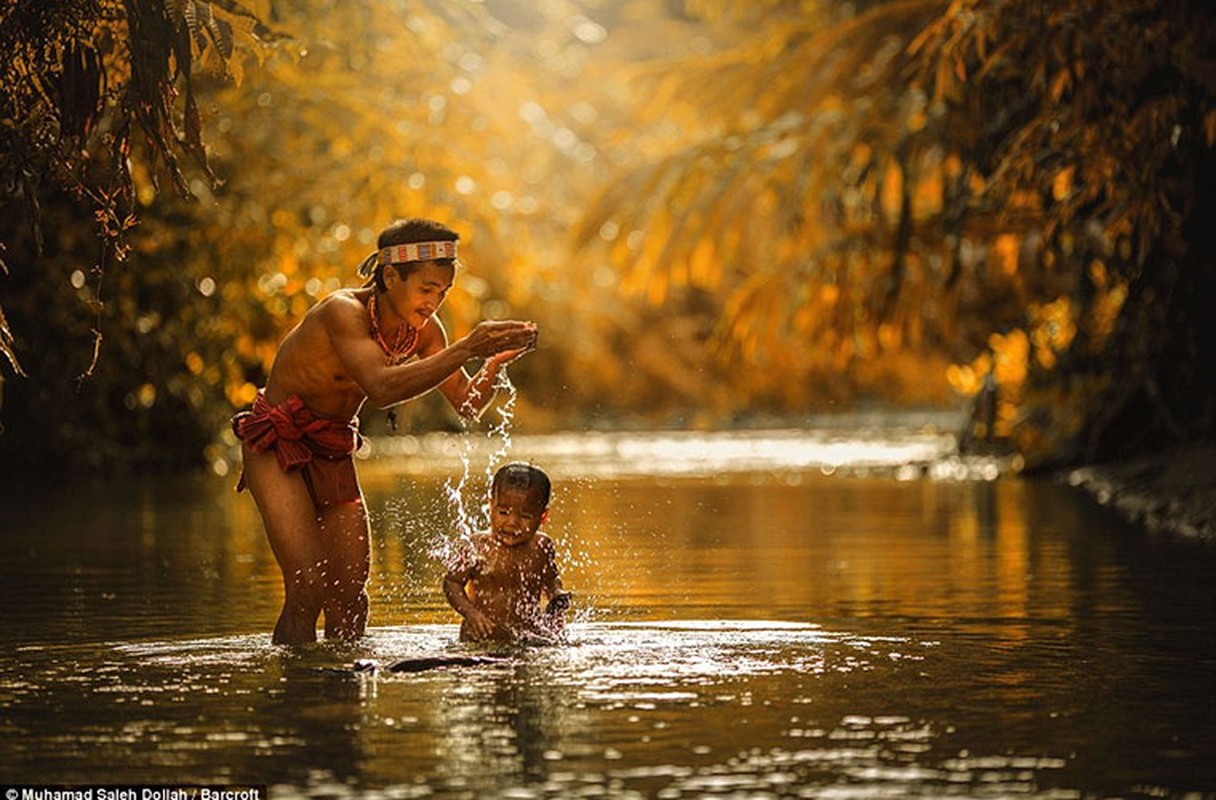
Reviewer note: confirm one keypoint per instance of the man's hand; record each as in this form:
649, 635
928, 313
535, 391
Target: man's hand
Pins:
492, 338
500, 360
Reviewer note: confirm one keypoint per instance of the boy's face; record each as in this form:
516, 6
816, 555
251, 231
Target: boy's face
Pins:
515, 516
418, 296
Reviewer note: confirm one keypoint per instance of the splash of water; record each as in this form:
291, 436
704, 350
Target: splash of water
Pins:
468, 499
501, 430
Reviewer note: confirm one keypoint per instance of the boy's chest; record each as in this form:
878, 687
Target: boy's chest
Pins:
509, 566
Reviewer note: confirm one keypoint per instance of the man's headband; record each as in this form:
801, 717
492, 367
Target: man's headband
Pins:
405, 253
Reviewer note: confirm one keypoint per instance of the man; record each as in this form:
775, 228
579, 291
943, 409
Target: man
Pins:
380, 343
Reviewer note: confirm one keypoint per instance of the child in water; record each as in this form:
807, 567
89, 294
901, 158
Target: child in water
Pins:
498, 582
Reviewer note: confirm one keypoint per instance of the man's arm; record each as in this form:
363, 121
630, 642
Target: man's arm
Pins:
345, 319
471, 396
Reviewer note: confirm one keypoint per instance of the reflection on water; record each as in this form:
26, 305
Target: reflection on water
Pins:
761, 631
678, 707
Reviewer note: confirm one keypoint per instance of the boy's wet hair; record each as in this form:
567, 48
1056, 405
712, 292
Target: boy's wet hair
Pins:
518, 475
410, 231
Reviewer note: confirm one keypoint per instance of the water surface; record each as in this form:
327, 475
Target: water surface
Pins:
759, 629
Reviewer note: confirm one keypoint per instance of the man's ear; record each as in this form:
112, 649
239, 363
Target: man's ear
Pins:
544, 515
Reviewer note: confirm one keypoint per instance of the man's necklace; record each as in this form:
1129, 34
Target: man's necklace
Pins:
403, 340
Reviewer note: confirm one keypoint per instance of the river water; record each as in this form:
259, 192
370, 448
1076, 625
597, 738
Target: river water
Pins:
763, 615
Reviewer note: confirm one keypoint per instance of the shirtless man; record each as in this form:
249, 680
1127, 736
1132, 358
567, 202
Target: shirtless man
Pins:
380, 343
497, 584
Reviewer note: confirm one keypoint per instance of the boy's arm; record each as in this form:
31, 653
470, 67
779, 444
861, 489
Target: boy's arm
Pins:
551, 583
458, 599
454, 590
345, 320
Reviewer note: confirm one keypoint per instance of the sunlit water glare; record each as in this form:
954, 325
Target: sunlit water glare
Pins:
639, 681
921, 446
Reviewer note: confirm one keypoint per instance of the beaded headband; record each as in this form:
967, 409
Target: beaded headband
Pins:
405, 253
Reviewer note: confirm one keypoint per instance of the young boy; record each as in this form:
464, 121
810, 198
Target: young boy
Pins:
498, 582
381, 343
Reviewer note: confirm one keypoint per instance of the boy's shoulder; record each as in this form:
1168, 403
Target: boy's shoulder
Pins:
469, 554
479, 542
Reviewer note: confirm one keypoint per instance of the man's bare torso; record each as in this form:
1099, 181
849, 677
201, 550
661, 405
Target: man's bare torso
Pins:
308, 365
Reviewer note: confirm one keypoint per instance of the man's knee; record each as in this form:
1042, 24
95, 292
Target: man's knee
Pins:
346, 613
306, 589
347, 595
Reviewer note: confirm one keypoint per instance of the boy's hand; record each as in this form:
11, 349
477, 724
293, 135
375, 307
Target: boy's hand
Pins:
559, 604
481, 625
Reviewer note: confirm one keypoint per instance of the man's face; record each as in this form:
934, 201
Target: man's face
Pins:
515, 516
420, 294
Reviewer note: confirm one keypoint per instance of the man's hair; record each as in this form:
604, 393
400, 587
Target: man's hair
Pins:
410, 231
527, 477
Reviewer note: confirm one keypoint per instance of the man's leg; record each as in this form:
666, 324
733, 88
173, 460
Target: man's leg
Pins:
295, 537
345, 535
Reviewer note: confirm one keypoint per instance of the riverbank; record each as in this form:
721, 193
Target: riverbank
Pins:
1172, 493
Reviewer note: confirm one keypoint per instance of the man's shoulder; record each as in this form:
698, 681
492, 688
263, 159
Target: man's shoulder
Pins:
343, 298
342, 305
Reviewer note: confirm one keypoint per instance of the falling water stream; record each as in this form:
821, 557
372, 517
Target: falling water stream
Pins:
834, 613
467, 498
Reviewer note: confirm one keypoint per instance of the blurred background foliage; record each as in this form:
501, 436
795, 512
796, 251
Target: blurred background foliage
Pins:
720, 213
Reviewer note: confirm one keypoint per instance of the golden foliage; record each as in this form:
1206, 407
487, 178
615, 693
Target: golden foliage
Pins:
736, 206
943, 169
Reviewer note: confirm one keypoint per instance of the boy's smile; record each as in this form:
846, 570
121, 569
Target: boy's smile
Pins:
515, 516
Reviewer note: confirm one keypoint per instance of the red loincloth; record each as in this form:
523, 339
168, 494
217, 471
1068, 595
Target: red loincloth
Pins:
319, 447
